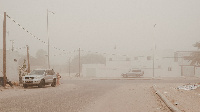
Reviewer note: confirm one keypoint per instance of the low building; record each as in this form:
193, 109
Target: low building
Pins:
166, 63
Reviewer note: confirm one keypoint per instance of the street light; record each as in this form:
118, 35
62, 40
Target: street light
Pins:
48, 34
154, 46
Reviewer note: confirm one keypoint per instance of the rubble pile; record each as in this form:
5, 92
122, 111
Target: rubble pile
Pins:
189, 87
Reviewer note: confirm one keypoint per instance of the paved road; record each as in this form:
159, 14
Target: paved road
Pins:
86, 96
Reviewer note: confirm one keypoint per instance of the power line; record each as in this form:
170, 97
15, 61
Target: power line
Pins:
63, 50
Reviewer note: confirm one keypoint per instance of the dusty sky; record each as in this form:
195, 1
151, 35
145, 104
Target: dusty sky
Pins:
99, 25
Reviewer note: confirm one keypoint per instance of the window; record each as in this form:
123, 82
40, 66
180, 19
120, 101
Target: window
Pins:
148, 57
169, 68
50, 72
37, 72
136, 70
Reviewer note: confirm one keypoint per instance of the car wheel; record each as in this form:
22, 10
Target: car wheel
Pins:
41, 84
53, 83
124, 75
25, 85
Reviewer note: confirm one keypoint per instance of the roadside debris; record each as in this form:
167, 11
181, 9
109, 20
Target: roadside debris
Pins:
7, 82
189, 87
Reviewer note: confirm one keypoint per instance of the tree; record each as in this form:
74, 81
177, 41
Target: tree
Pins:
195, 56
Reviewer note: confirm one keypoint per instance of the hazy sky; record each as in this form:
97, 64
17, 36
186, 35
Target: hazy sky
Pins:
99, 25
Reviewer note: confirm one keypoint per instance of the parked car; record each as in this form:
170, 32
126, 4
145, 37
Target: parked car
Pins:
40, 78
133, 73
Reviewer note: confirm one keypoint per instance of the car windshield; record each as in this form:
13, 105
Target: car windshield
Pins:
136, 70
37, 72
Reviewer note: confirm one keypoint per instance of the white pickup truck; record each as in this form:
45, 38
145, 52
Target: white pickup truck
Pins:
133, 73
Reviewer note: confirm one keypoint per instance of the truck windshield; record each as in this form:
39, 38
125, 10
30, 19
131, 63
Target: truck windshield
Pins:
37, 72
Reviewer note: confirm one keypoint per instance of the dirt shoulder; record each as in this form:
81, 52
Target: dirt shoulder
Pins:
185, 100
19, 91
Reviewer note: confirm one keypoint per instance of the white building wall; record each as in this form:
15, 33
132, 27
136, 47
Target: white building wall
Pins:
118, 66
197, 71
101, 71
11, 65
169, 68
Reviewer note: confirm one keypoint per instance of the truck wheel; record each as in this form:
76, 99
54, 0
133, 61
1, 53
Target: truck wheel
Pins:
25, 85
41, 84
53, 83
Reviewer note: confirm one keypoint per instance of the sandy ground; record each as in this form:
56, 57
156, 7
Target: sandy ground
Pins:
129, 98
87, 95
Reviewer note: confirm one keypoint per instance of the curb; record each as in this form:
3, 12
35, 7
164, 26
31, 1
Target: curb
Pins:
166, 101
125, 79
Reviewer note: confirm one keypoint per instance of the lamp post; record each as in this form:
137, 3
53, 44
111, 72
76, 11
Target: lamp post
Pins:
154, 47
48, 34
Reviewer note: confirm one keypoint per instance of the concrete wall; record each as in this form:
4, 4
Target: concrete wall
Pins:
100, 70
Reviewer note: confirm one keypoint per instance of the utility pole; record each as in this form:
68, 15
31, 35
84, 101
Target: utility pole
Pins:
48, 37
12, 45
48, 34
79, 62
4, 49
28, 69
69, 66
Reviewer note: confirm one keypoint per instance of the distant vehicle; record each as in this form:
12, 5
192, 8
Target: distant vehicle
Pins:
133, 73
40, 78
